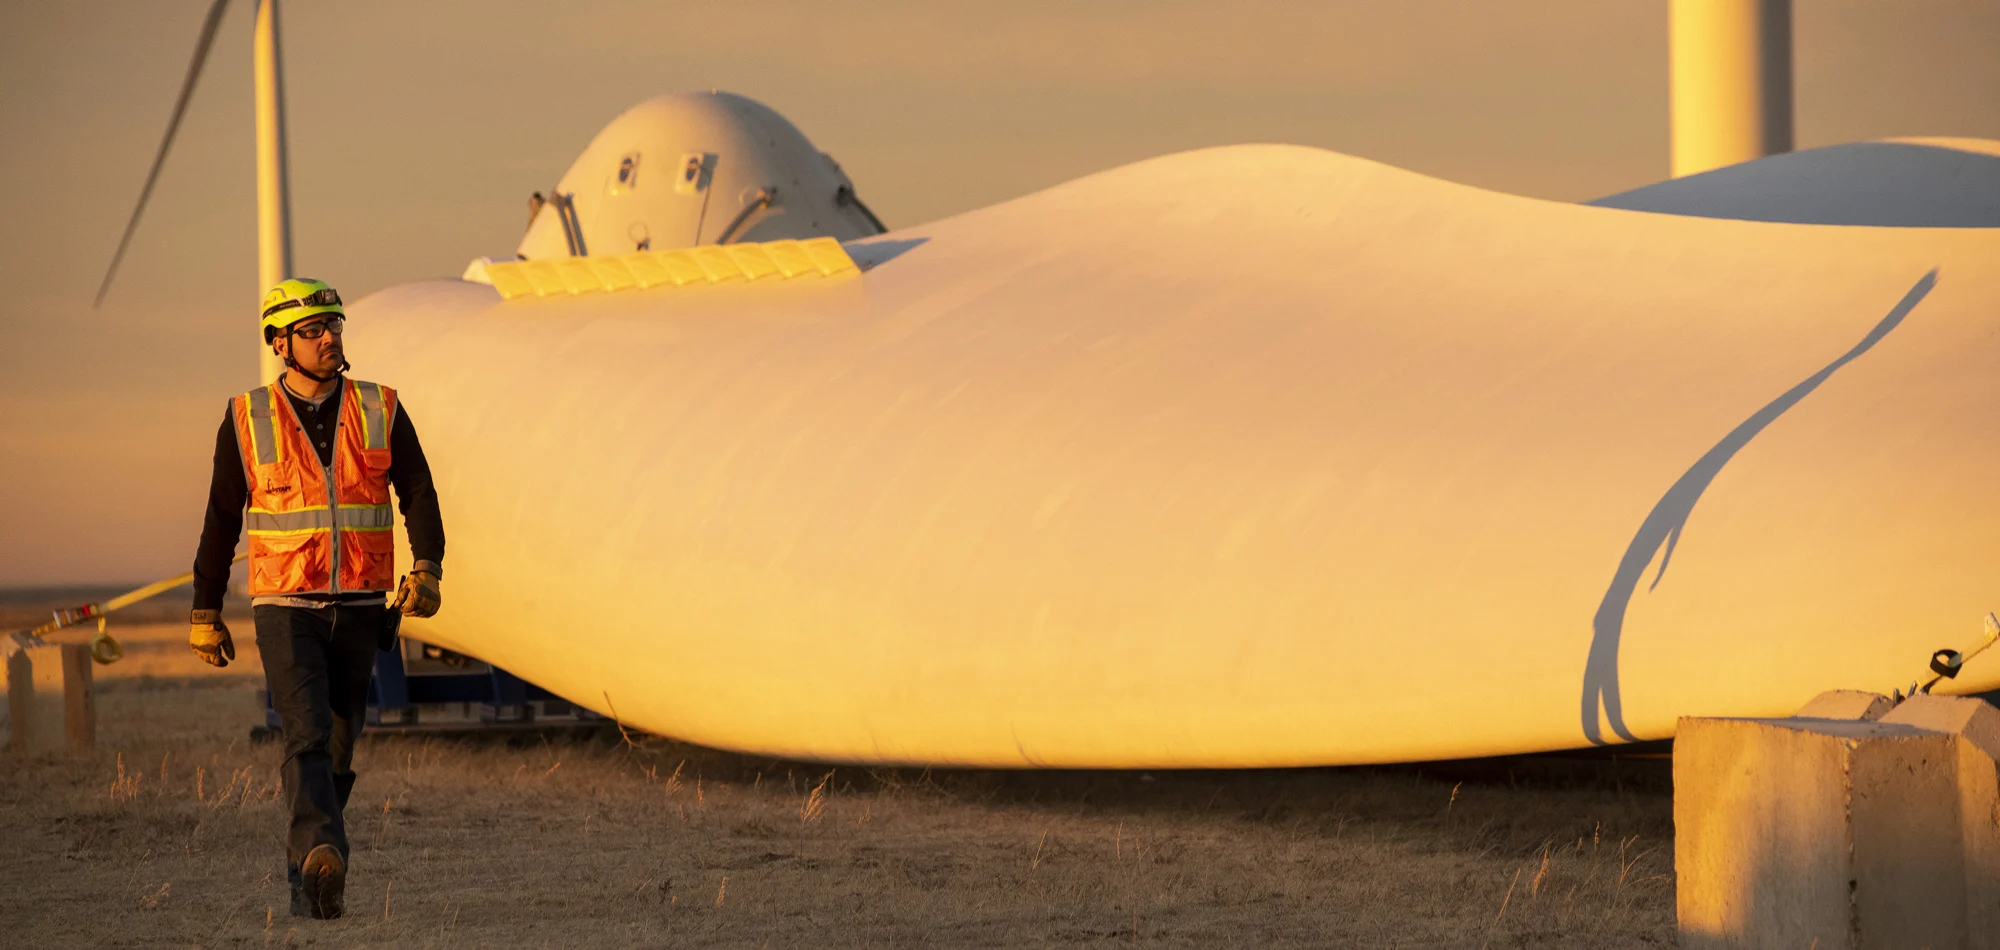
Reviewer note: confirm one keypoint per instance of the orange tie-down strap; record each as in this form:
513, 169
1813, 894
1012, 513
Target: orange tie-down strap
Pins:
709, 264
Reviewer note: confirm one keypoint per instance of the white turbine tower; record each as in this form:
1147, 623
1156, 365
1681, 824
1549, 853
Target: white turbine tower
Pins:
274, 184
1730, 78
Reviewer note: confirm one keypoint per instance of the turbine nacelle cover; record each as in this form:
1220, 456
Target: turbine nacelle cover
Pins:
695, 168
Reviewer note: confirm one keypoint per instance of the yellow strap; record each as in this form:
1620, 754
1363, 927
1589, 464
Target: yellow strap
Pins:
26, 639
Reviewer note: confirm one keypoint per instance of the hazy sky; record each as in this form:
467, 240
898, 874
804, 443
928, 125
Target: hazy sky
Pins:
419, 129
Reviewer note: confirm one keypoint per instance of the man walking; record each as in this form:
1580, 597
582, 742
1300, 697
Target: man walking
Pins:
311, 457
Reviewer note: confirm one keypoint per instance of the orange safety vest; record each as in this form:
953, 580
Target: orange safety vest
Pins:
315, 530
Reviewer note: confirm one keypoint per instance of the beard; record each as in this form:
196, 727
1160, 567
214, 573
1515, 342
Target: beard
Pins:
324, 363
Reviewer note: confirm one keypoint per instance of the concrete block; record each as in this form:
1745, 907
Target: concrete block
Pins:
1853, 704
79, 699
1977, 724
1975, 719
20, 704
1820, 832
35, 702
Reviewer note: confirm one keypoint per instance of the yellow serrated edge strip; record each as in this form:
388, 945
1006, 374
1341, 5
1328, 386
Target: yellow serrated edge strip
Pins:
577, 275
711, 264
543, 277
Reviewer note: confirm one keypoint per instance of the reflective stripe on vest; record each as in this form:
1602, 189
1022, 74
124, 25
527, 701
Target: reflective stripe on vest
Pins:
363, 518
303, 521
374, 416
263, 431
306, 520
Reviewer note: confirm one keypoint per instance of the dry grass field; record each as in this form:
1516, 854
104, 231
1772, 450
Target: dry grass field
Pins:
171, 835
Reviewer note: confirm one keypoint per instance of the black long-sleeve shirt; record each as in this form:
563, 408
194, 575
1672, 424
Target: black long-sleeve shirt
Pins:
229, 493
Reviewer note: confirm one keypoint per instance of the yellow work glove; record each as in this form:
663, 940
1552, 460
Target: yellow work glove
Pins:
208, 636
418, 595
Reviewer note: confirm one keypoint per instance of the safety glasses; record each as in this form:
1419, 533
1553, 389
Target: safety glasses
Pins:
319, 328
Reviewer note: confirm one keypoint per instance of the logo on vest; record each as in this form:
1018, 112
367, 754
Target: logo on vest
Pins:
275, 489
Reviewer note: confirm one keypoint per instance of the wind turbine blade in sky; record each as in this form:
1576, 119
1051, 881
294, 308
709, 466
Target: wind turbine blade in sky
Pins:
201, 47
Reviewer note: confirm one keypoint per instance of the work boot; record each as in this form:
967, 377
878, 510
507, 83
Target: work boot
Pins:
322, 888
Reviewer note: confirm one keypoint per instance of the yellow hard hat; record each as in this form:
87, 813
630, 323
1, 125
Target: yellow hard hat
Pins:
295, 299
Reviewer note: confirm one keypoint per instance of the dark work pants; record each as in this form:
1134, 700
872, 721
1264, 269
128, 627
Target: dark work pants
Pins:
317, 664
